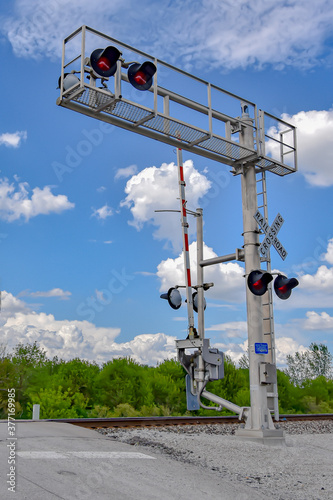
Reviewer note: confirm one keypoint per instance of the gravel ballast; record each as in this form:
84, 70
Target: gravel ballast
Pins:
302, 469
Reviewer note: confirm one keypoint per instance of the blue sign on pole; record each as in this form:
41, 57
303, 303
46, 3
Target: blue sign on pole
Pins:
261, 348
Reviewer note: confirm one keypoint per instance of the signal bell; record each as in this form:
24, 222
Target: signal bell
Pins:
104, 61
69, 81
141, 75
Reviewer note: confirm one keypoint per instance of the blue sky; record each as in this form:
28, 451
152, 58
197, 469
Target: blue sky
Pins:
84, 256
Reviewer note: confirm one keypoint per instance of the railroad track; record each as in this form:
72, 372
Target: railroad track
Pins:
98, 423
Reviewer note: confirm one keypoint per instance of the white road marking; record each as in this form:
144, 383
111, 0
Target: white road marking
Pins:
111, 455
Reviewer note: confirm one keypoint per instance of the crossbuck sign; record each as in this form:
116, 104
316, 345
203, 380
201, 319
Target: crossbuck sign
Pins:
271, 235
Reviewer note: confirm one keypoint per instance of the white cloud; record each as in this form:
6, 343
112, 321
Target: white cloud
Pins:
234, 34
17, 202
156, 188
285, 346
147, 348
318, 321
233, 350
328, 256
10, 305
228, 279
12, 140
103, 212
226, 34
314, 290
123, 173
322, 280
232, 329
68, 339
314, 145
38, 26
55, 292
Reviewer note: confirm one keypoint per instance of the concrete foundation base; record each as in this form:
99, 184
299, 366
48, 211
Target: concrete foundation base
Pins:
270, 437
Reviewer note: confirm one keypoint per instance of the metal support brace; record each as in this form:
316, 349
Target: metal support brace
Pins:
239, 255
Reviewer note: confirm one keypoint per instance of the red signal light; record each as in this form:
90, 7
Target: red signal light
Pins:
257, 285
283, 289
104, 64
104, 61
283, 286
141, 76
258, 280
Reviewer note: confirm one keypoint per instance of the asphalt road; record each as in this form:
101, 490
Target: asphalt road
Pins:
50, 460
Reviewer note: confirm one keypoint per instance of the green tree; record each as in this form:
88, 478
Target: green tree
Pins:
123, 381
78, 375
57, 403
298, 368
8, 374
172, 384
314, 362
290, 395
31, 355
320, 360
26, 359
317, 395
244, 362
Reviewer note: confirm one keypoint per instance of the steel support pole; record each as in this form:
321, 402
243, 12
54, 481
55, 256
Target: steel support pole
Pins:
259, 424
186, 250
200, 290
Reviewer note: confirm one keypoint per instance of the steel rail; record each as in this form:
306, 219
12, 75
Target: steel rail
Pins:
123, 422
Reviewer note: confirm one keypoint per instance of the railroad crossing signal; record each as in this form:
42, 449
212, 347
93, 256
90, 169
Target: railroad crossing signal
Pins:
243, 154
104, 64
271, 235
258, 280
173, 297
104, 61
283, 286
141, 76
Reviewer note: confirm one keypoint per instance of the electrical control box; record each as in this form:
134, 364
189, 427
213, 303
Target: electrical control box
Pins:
267, 373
